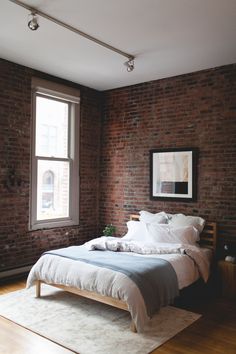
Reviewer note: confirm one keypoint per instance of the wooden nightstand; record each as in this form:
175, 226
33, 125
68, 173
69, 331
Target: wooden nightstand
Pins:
227, 273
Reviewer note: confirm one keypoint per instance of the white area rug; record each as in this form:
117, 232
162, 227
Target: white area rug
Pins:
86, 326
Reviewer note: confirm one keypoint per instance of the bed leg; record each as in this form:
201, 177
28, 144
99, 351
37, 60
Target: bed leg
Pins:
38, 288
133, 327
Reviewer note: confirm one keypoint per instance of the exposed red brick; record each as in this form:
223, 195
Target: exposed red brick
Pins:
193, 110
19, 246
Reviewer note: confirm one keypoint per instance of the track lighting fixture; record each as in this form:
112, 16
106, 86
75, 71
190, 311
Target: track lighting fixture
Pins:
129, 65
33, 22
33, 25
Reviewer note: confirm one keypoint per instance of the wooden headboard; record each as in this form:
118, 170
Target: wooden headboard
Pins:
208, 236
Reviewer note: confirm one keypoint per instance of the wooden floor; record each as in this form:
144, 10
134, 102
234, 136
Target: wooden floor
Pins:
213, 333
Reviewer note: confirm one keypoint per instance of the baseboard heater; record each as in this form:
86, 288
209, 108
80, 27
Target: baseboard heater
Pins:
16, 271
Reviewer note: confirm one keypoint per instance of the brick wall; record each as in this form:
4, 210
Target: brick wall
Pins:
19, 246
193, 110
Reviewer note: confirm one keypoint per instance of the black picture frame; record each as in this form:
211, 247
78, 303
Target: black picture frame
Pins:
173, 174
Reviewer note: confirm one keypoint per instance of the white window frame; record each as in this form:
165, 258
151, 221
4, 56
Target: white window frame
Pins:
72, 96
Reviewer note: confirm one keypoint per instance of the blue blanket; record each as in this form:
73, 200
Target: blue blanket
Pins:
155, 277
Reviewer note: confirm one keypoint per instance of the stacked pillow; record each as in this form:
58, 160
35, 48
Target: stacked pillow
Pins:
137, 231
165, 233
159, 218
174, 220
167, 228
178, 220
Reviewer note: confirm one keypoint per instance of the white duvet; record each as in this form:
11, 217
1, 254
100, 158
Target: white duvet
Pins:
189, 263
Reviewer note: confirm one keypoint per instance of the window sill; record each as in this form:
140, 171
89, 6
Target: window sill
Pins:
53, 225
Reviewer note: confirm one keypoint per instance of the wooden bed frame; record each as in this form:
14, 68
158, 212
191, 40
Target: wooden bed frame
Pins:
207, 239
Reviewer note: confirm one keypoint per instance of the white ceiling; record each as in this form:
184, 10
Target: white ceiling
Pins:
167, 37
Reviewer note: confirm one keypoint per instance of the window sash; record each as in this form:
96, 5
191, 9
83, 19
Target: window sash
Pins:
69, 191
69, 132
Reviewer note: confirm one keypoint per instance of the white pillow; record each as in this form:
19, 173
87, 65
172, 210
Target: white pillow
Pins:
137, 231
166, 234
178, 220
147, 217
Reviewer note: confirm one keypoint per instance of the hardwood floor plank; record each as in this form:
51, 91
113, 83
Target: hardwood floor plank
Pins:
18, 340
11, 285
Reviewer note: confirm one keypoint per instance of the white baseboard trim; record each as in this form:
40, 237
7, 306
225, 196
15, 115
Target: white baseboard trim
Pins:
16, 271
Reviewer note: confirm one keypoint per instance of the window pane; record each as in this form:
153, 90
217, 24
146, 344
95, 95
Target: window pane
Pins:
53, 190
51, 128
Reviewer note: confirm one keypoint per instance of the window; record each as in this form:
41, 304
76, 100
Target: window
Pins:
55, 170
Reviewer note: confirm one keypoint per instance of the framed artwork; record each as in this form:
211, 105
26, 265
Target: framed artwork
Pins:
173, 174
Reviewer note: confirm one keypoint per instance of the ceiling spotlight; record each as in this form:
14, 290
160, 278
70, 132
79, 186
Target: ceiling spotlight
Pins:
129, 65
33, 22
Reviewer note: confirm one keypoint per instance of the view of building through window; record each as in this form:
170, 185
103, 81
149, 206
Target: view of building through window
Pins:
48, 190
